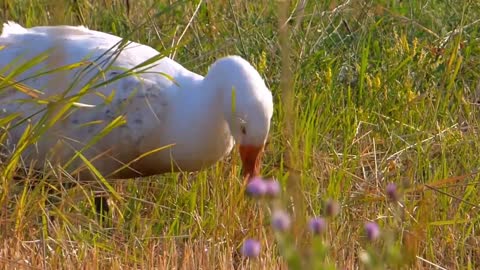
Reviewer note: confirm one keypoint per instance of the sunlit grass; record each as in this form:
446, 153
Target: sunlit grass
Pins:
382, 91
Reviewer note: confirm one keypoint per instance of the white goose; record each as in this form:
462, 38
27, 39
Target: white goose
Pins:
201, 117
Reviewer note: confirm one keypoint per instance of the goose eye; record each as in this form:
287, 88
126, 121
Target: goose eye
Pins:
243, 129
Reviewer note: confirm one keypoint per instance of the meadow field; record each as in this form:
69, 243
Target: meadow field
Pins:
367, 93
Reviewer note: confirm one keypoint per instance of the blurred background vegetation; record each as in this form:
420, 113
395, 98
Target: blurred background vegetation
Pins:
383, 91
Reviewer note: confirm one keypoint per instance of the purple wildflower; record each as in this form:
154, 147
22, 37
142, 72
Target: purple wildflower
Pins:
332, 208
318, 225
273, 188
372, 230
392, 193
256, 187
250, 248
281, 220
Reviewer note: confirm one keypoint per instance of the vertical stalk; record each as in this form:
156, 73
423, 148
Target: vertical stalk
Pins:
291, 157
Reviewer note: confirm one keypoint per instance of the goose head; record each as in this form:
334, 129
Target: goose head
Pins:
247, 108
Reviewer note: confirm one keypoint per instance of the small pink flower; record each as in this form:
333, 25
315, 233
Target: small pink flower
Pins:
250, 248
318, 225
332, 208
256, 187
372, 230
281, 220
392, 193
273, 188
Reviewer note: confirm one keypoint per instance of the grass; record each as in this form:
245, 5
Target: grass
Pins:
366, 93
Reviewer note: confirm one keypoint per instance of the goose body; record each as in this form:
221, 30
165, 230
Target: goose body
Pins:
164, 105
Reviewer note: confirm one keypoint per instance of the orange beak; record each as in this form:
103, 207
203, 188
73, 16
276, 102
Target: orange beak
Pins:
251, 158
